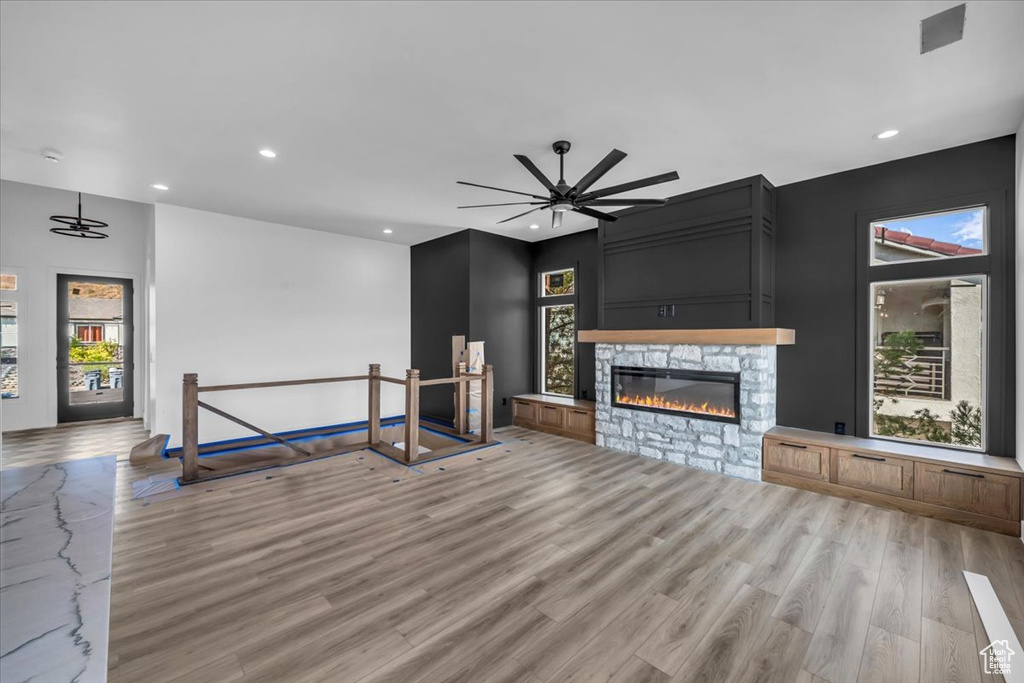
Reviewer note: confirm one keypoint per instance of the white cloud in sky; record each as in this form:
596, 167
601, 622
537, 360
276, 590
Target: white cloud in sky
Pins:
970, 230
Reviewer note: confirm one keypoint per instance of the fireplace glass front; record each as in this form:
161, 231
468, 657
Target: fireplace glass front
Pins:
688, 393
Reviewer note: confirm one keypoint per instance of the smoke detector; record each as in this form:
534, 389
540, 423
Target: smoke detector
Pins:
52, 155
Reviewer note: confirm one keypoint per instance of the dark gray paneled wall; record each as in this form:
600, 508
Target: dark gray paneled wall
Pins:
440, 308
709, 253
579, 250
500, 314
816, 283
477, 284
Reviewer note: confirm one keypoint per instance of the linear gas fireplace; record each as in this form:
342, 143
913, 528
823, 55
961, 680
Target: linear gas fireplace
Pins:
687, 393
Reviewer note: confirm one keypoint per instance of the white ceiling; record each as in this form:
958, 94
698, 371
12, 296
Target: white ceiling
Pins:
376, 109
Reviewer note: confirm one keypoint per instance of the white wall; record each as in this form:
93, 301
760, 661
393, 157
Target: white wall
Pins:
29, 249
238, 300
1020, 297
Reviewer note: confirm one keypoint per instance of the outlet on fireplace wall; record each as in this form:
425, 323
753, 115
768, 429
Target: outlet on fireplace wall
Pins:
666, 310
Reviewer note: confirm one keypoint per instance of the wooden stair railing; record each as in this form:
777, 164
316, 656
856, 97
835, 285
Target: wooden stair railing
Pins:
191, 404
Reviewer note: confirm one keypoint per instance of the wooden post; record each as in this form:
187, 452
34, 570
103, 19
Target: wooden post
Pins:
412, 415
461, 394
487, 404
190, 427
373, 410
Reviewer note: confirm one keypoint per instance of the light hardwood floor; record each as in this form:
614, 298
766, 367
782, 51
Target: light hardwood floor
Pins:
542, 559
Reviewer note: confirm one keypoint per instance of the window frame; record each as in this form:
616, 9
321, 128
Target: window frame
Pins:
998, 395
16, 297
986, 242
985, 287
546, 301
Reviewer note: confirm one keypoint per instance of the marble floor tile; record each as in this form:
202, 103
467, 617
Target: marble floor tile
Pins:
56, 532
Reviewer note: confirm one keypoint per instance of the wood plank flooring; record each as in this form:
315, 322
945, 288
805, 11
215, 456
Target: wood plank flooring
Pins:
542, 559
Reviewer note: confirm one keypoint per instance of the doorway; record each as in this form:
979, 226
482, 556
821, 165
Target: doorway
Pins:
95, 362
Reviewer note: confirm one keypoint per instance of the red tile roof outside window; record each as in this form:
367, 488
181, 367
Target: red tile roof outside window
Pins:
927, 243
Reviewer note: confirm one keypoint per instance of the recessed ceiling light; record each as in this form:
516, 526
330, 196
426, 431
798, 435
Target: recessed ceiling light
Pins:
268, 153
534, 227
388, 231
160, 186
886, 134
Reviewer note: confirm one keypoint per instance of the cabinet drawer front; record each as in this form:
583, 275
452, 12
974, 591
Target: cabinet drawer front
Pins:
579, 421
524, 410
993, 495
801, 460
882, 474
551, 416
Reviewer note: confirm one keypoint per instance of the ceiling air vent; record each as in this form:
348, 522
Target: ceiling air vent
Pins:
942, 29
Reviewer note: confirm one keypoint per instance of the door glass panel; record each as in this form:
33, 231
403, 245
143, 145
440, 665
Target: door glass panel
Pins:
9, 348
95, 354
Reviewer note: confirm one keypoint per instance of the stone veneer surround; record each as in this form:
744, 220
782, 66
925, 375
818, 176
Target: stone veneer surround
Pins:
706, 444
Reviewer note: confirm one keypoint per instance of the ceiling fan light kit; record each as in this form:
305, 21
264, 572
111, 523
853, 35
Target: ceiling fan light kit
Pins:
563, 198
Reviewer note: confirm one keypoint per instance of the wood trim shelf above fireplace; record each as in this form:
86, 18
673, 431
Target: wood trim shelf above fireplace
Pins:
764, 336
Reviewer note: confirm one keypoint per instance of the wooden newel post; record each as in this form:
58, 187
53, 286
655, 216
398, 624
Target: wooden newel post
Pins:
412, 415
190, 427
373, 410
487, 404
461, 393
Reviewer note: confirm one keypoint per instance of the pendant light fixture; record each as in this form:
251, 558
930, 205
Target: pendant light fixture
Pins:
78, 226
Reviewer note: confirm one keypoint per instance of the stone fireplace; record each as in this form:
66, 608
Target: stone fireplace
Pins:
704, 405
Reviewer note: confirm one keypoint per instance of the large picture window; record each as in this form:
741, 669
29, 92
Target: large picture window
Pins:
557, 308
928, 292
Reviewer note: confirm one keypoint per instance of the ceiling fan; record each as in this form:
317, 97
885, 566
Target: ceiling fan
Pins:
563, 197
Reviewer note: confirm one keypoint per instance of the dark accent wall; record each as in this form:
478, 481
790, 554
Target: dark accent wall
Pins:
475, 284
500, 314
816, 278
579, 250
440, 308
710, 254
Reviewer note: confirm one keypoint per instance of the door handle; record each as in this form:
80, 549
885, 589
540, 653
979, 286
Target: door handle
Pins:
868, 457
965, 474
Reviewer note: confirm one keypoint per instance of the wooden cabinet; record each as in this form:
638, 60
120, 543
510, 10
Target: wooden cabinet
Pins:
962, 487
984, 493
879, 473
555, 415
551, 416
797, 459
524, 410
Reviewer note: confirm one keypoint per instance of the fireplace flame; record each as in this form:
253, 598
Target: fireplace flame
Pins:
660, 402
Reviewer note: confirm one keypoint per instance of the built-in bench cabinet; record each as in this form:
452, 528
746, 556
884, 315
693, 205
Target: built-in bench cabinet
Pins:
967, 488
569, 417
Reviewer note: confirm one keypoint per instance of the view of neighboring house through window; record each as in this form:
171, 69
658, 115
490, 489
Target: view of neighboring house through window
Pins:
928, 334
9, 336
558, 332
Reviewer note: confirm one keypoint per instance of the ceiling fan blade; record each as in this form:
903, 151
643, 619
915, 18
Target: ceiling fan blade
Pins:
488, 187
532, 168
520, 215
626, 187
556, 220
600, 215
625, 201
480, 206
603, 166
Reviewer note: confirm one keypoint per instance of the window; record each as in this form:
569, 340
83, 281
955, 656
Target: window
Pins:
8, 282
558, 283
948, 234
89, 333
9, 348
558, 332
928, 289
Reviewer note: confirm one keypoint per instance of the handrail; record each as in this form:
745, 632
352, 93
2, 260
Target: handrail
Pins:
282, 383
412, 383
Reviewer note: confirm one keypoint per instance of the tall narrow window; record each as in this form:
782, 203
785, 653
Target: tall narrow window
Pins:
928, 354
557, 298
9, 387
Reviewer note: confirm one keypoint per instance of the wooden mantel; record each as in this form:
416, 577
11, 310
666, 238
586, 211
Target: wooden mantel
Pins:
765, 336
